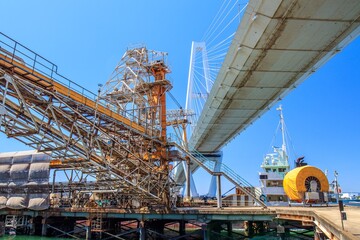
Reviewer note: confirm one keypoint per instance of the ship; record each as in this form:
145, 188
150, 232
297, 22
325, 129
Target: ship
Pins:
281, 186
275, 165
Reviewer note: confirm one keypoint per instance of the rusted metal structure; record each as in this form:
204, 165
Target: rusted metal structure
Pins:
112, 147
113, 142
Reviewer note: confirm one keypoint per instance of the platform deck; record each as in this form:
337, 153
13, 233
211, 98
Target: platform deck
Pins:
326, 218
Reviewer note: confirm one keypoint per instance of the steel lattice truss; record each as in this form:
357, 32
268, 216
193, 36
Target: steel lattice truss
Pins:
91, 139
132, 88
75, 134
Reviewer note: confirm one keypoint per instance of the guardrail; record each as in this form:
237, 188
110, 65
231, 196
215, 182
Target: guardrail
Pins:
225, 171
15, 52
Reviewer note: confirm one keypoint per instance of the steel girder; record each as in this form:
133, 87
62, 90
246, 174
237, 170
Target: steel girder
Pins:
80, 137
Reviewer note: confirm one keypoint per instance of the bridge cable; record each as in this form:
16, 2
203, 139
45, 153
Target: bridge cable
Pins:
235, 17
215, 19
219, 24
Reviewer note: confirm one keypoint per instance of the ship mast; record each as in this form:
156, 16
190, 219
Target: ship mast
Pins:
283, 146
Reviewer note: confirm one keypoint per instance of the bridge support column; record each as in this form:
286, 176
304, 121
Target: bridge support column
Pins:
158, 227
249, 228
43, 227
182, 228
219, 199
142, 231
188, 174
204, 231
88, 230
261, 227
281, 231
229, 229
31, 226
217, 158
213, 230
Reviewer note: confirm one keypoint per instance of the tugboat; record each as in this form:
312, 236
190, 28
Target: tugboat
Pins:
275, 165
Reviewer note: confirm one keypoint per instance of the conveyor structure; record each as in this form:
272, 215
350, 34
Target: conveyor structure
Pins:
112, 146
82, 131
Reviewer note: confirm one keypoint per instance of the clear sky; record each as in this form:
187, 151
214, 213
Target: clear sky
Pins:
86, 39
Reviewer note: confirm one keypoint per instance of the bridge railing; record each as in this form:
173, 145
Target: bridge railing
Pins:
205, 161
226, 169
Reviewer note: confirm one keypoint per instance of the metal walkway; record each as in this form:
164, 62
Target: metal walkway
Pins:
50, 113
224, 171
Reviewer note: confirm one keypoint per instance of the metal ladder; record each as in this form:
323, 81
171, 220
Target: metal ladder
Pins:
225, 171
97, 223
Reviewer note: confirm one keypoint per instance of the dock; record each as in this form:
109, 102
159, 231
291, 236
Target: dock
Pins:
327, 219
325, 222
118, 164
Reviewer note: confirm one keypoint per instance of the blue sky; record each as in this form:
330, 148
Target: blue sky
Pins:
86, 39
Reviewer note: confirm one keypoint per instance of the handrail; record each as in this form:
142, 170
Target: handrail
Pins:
17, 54
227, 172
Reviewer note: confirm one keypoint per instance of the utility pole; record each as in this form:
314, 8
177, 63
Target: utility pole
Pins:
340, 202
336, 186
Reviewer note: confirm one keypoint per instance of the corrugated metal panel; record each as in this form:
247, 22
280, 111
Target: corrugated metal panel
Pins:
23, 172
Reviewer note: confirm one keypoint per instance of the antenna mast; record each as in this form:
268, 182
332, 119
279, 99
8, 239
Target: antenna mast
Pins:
282, 128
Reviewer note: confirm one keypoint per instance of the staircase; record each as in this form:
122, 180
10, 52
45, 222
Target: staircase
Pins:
225, 171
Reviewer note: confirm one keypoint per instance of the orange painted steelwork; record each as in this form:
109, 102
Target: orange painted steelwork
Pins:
50, 84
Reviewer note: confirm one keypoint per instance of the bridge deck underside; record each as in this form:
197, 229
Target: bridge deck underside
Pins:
278, 45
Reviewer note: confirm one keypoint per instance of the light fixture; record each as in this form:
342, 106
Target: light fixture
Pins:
254, 17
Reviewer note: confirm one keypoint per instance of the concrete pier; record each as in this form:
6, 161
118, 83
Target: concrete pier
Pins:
205, 222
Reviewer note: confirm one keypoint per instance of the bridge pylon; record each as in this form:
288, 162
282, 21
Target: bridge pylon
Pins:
199, 85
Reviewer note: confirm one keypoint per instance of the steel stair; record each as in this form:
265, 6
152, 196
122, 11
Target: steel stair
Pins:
225, 171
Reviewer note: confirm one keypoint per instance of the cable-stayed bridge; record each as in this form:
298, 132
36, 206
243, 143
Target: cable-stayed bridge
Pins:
118, 136
113, 146
276, 46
